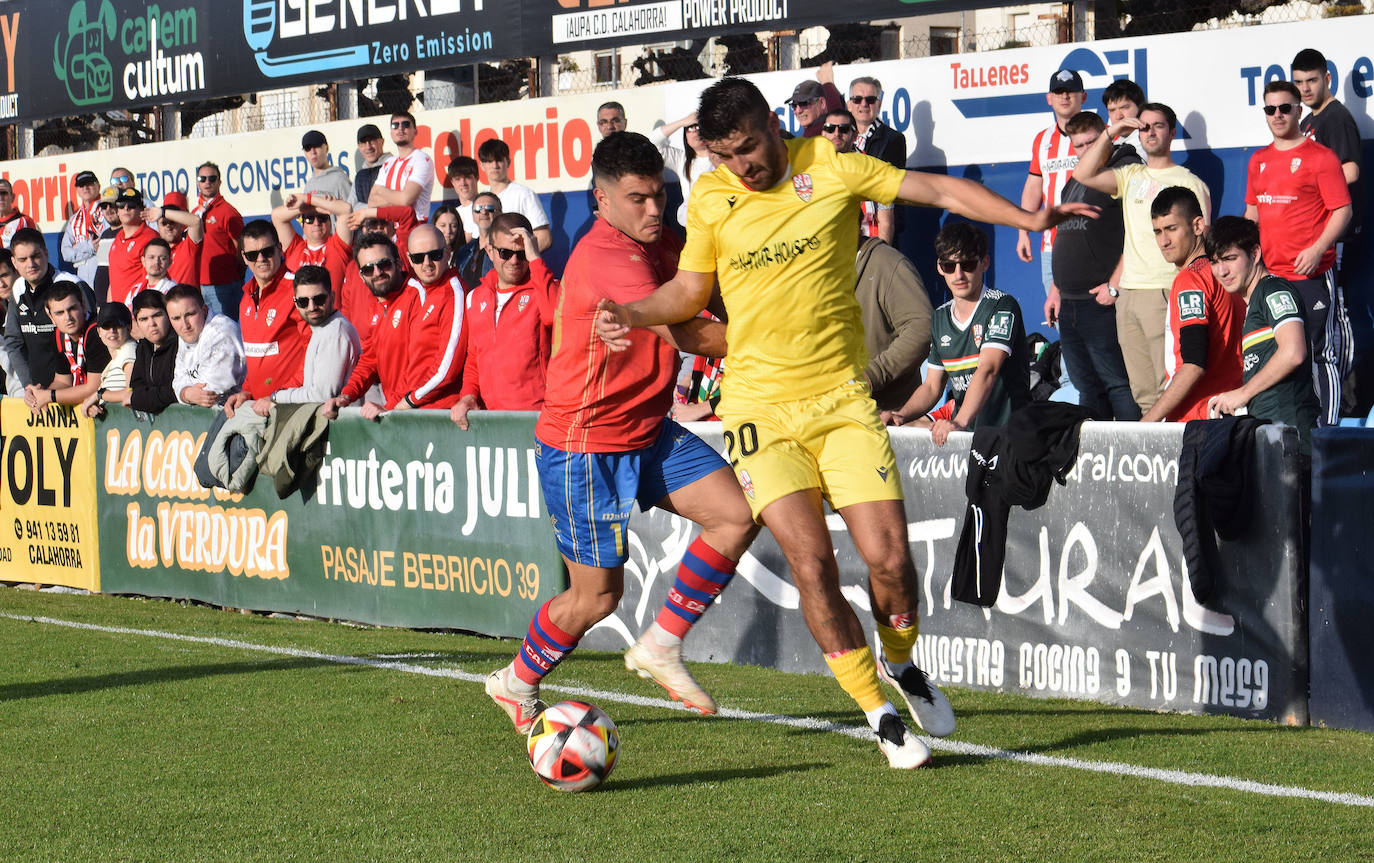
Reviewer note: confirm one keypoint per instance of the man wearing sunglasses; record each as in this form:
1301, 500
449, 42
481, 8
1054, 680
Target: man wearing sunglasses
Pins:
221, 267
812, 100
11, 219
438, 341
1297, 193
472, 260
977, 343
319, 243
126, 255
510, 325
274, 339
875, 138
385, 331
334, 346
407, 178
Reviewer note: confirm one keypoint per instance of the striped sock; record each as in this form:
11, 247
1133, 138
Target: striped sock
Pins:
701, 577
858, 676
545, 646
898, 637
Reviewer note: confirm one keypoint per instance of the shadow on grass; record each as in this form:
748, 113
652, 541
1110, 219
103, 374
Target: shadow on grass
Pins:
698, 776
96, 682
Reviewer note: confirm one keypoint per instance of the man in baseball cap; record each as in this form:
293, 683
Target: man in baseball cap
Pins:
372, 153
82, 231
327, 179
812, 100
1051, 165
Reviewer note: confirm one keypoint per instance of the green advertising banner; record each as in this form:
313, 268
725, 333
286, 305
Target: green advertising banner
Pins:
412, 523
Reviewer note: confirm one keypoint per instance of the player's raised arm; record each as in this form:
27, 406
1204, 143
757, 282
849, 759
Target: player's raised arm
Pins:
979, 203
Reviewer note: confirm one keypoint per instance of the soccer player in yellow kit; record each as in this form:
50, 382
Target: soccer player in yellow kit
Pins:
774, 224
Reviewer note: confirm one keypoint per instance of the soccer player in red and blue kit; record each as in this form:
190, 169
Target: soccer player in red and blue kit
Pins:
604, 442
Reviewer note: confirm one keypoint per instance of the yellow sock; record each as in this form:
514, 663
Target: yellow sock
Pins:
898, 640
858, 676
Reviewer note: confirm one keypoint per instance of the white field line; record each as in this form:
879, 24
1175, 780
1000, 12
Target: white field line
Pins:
1176, 777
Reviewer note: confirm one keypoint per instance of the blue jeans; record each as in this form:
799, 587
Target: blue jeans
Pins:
1092, 357
223, 299
1047, 270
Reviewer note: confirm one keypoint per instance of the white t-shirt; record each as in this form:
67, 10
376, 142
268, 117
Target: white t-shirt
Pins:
516, 198
418, 167
113, 377
469, 226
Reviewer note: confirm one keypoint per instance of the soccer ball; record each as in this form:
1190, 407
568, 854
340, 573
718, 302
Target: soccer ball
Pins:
573, 746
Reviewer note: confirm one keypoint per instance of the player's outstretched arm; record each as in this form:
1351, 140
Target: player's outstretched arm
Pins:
675, 301
701, 336
979, 203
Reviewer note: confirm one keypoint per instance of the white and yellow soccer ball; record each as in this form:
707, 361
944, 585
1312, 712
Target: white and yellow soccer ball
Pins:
573, 746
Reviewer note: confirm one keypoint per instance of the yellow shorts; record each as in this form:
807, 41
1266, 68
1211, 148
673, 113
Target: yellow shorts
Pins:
834, 442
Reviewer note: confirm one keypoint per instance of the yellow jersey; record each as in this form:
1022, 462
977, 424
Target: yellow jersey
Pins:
784, 258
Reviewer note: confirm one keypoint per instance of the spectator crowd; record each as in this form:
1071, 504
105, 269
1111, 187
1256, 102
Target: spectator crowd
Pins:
359, 290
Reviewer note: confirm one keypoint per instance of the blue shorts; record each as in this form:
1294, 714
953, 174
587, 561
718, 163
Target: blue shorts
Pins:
589, 494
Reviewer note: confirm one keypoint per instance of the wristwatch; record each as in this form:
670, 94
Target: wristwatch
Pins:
1112, 291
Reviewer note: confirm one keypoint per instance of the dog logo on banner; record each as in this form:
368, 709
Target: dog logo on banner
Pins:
802, 183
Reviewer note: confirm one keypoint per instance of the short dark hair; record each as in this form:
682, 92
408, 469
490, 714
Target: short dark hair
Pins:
961, 241
494, 150
1169, 116
1231, 232
158, 241
258, 229
184, 292
509, 223
407, 115
1085, 121
1309, 60
312, 274
727, 105
1283, 87
462, 166
842, 112
61, 290
1176, 197
198, 167
375, 238
6, 257
616, 105
29, 237
1123, 89
149, 300
622, 154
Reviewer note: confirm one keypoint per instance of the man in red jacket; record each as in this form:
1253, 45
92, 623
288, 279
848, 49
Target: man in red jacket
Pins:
438, 340
385, 354
274, 339
510, 323
221, 273
126, 253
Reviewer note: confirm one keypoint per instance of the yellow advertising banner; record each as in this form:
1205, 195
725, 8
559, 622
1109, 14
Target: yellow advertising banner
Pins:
47, 496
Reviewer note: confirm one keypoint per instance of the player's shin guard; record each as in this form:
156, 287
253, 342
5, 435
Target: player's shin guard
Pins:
701, 577
898, 637
857, 674
544, 647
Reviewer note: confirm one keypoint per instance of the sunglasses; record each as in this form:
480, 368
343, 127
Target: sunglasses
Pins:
507, 254
383, 264
207, 178
802, 103
309, 218
128, 206
433, 256
832, 128
267, 253
1284, 108
968, 264
484, 208
312, 300
117, 180
400, 124
864, 100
